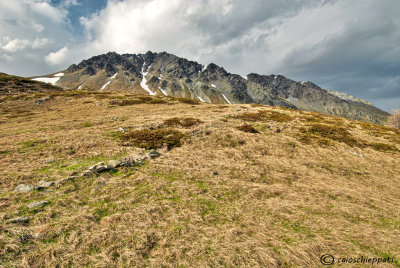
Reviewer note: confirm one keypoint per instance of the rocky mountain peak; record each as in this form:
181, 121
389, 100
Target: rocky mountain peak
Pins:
166, 74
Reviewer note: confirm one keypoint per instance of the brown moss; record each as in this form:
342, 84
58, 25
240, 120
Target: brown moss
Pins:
266, 116
185, 122
153, 139
247, 128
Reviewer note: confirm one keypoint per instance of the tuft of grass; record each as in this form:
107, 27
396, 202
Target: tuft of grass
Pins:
247, 128
185, 122
153, 139
383, 147
188, 101
139, 100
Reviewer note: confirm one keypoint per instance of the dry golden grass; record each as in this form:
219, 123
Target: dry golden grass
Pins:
276, 202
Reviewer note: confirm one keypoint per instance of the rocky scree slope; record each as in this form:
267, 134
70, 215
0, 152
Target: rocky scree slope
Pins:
166, 74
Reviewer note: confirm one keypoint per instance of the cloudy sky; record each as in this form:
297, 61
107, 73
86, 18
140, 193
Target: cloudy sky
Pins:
345, 45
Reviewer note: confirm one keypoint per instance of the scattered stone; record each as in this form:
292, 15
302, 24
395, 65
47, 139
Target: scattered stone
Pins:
214, 173
45, 184
122, 129
99, 167
37, 204
197, 132
50, 160
154, 154
114, 163
37, 235
39, 102
128, 162
24, 188
356, 154
19, 220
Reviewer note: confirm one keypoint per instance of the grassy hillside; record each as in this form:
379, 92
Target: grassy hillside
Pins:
235, 185
11, 85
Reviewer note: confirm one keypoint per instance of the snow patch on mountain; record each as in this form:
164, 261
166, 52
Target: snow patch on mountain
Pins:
200, 98
143, 83
226, 98
108, 82
50, 80
163, 91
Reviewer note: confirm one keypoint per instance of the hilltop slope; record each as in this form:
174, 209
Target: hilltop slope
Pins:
240, 185
167, 74
14, 85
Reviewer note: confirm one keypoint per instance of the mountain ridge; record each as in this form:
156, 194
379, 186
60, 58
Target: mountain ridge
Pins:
166, 74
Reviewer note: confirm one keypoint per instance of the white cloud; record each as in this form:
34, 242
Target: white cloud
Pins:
14, 45
30, 30
57, 57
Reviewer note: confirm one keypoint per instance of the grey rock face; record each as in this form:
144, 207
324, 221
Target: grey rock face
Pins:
37, 204
24, 188
180, 77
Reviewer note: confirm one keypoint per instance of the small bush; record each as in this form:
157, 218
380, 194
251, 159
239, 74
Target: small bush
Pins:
183, 122
329, 132
153, 139
247, 128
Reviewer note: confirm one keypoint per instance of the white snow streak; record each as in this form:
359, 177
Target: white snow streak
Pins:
245, 77
204, 68
200, 98
108, 82
105, 85
163, 91
213, 85
143, 84
59, 74
226, 98
80, 87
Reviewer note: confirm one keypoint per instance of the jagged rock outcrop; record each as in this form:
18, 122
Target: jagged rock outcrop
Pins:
166, 74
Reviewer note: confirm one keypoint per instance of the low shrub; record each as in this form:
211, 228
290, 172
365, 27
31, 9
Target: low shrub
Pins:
247, 128
153, 139
334, 133
185, 122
